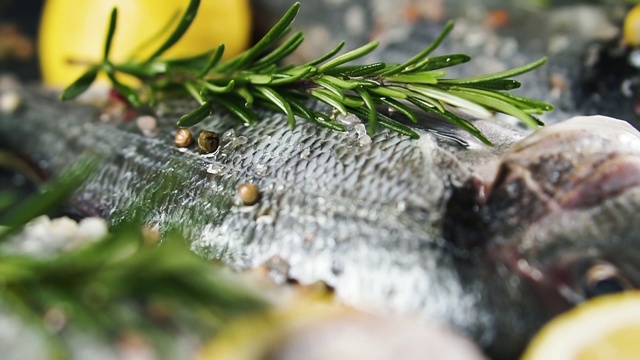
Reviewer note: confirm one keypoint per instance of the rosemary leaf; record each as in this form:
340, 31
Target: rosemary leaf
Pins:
526, 103
439, 62
280, 102
326, 56
349, 56
449, 98
498, 84
113, 19
246, 95
391, 124
248, 116
128, 93
341, 83
419, 57
357, 70
499, 75
499, 105
301, 110
323, 120
427, 77
184, 24
218, 89
196, 116
197, 95
426, 104
274, 34
256, 79
372, 116
328, 98
390, 91
400, 107
463, 124
80, 85
284, 50
329, 86
292, 75
47, 200
213, 61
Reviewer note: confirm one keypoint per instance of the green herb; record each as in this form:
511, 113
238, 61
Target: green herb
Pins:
115, 285
256, 78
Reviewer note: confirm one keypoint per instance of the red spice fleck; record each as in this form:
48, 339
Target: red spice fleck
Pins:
497, 18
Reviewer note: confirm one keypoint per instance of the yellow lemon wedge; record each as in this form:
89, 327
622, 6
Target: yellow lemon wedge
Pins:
72, 33
631, 27
604, 328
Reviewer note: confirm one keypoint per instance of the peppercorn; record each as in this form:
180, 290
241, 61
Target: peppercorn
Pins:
208, 141
248, 194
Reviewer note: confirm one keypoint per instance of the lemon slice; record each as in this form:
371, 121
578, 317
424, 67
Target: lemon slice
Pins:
631, 28
607, 327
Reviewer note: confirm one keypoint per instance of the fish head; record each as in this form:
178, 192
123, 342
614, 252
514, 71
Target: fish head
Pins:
563, 210
557, 222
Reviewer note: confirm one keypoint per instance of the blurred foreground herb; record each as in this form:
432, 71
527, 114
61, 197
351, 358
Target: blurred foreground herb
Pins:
256, 78
114, 285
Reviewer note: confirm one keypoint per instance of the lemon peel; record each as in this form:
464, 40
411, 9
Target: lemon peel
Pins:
607, 327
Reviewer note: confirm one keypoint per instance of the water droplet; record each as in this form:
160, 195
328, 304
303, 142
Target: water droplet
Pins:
365, 140
260, 169
360, 129
214, 168
305, 154
278, 268
240, 140
229, 135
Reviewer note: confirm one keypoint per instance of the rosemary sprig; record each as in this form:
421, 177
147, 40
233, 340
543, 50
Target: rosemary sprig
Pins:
111, 286
256, 78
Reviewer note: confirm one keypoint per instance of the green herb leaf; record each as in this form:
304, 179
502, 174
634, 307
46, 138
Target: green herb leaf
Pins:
184, 24
128, 93
493, 102
218, 89
196, 116
372, 113
213, 61
355, 71
281, 52
328, 98
110, 32
424, 53
273, 35
439, 62
80, 85
349, 56
280, 102
499, 75
245, 114
326, 56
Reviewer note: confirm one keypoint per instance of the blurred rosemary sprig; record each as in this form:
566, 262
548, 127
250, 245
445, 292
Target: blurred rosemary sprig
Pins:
256, 78
120, 284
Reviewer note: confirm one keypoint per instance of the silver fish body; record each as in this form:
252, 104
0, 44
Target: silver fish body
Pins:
369, 219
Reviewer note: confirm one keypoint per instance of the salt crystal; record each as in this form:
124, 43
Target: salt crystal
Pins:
91, 229
10, 102
147, 124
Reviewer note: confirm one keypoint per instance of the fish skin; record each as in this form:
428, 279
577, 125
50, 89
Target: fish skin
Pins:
364, 219
367, 220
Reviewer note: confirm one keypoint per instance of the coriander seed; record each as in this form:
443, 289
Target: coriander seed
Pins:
183, 138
